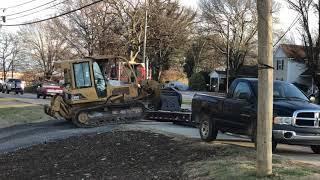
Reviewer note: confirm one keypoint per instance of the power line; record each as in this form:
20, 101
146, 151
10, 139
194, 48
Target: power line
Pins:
63, 14
19, 4
24, 15
31, 9
294, 22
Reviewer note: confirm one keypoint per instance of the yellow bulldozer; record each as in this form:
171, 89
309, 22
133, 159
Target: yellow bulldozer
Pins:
90, 98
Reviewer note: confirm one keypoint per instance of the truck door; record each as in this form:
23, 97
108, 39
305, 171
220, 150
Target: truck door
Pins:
237, 108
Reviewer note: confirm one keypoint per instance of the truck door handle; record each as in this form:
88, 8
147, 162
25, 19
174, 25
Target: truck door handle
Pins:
245, 115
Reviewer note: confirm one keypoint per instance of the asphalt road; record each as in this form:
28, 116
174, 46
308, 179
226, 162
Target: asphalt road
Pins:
22, 136
27, 98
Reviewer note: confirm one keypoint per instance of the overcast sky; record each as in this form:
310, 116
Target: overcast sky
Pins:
286, 15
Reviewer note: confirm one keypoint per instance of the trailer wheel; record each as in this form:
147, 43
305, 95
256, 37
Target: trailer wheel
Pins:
316, 149
208, 130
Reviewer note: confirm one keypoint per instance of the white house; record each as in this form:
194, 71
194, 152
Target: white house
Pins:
289, 63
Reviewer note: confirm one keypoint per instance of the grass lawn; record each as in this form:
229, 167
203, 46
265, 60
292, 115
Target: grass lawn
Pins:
21, 115
235, 162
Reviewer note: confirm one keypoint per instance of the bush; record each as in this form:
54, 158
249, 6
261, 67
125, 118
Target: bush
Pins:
197, 82
31, 89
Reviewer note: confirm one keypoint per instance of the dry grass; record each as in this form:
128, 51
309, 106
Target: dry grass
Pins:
21, 115
240, 163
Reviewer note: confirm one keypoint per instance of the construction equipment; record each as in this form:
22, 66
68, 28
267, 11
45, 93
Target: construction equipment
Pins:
90, 99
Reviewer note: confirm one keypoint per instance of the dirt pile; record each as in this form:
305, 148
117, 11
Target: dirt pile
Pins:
117, 155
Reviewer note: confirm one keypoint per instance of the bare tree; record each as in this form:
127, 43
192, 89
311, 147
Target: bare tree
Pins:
201, 56
233, 22
310, 39
9, 49
169, 30
89, 31
43, 46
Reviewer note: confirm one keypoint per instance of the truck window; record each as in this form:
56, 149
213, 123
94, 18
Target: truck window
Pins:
242, 87
82, 75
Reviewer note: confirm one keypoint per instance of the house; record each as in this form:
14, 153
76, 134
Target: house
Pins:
289, 63
218, 77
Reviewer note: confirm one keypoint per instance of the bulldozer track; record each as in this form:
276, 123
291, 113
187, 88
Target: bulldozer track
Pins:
107, 114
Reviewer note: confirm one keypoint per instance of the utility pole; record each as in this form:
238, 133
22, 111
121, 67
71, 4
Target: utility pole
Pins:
146, 62
265, 88
228, 56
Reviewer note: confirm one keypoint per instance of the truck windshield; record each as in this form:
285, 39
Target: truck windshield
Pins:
283, 90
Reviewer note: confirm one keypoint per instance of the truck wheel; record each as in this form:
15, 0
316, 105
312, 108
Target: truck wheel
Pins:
38, 96
44, 97
21, 92
208, 131
316, 149
8, 92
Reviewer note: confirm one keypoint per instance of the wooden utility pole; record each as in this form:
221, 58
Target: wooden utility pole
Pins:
265, 88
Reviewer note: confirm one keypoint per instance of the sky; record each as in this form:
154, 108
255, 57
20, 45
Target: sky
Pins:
286, 16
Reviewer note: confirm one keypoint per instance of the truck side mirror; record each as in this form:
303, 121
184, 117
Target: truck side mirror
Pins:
244, 96
312, 99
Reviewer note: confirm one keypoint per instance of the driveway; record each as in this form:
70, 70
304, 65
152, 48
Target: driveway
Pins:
26, 98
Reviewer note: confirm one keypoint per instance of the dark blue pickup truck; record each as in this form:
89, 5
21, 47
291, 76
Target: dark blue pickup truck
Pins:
295, 118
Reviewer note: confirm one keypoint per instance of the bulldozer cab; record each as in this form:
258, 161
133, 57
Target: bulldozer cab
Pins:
87, 80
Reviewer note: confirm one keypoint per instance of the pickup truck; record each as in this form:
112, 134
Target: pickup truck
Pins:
13, 85
295, 118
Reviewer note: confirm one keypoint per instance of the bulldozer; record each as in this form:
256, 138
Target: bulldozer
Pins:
90, 99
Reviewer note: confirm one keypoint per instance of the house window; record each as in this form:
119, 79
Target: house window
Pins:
280, 64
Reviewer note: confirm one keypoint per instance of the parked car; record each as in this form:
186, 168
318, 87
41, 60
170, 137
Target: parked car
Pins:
295, 118
1, 83
177, 85
48, 89
13, 85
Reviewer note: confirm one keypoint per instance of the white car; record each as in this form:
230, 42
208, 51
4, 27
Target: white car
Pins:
13, 85
177, 85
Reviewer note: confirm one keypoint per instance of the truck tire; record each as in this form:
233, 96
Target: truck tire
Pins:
38, 96
207, 129
7, 91
44, 97
316, 149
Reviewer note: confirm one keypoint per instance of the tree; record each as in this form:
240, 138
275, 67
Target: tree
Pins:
42, 45
201, 56
234, 23
169, 29
310, 39
88, 31
9, 49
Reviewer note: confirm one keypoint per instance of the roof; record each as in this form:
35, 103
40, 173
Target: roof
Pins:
296, 52
307, 73
244, 71
221, 72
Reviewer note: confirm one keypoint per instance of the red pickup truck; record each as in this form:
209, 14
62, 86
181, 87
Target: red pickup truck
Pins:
48, 89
